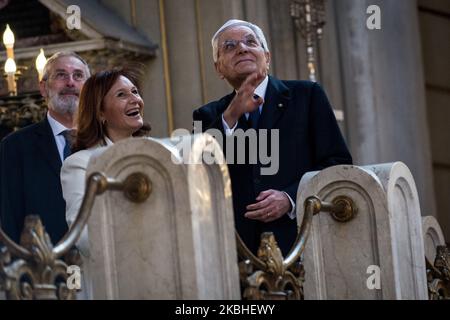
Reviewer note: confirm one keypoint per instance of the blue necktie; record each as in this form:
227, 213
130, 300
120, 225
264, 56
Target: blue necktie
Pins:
67, 147
254, 118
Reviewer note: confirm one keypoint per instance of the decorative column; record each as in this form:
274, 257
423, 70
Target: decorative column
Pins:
384, 89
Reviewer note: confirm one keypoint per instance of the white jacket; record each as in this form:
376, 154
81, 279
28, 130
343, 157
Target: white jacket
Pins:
73, 182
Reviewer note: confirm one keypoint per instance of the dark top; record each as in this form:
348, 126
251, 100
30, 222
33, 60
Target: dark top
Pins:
29, 181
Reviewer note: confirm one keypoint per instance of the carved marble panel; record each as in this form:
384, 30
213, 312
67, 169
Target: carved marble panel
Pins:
179, 243
386, 233
432, 236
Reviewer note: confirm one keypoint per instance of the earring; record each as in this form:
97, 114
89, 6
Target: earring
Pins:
103, 122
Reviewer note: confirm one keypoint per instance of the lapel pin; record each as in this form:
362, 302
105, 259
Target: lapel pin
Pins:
280, 105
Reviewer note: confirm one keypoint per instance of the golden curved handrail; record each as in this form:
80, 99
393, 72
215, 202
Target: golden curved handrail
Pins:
341, 208
15, 249
97, 184
136, 187
246, 254
312, 206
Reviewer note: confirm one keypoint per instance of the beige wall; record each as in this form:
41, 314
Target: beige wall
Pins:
190, 79
148, 23
434, 17
385, 118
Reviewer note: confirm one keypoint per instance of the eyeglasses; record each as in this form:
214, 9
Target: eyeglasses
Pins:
64, 76
231, 45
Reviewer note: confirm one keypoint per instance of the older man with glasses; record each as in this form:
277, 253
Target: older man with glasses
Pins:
309, 137
31, 158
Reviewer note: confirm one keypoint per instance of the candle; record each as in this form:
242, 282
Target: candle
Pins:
40, 63
10, 69
8, 41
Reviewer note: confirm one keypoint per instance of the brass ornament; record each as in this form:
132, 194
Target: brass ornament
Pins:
40, 276
341, 209
137, 187
274, 283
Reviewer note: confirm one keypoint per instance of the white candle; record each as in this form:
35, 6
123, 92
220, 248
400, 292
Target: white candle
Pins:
10, 69
40, 64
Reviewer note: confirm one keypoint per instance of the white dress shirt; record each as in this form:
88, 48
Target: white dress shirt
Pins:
57, 129
261, 92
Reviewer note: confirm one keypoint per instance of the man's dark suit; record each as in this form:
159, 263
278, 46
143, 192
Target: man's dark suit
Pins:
29, 181
310, 140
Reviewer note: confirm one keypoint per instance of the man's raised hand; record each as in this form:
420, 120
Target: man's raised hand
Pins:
245, 99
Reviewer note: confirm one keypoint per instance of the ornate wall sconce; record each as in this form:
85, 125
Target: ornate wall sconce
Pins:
309, 19
12, 72
19, 109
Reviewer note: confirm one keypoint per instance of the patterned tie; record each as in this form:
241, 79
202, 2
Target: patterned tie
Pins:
254, 118
67, 134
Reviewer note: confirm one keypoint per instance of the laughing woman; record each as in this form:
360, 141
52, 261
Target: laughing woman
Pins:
110, 109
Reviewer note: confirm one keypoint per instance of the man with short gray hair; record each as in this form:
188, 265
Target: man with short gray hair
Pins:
31, 158
309, 137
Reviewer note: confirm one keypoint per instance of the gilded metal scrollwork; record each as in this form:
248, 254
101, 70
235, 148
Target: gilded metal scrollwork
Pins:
268, 275
34, 269
274, 282
438, 275
34, 272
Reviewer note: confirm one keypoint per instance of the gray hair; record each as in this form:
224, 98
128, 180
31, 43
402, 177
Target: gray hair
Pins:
60, 54
236, 23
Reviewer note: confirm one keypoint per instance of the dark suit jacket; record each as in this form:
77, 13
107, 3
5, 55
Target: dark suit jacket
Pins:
309, 140
29, 181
